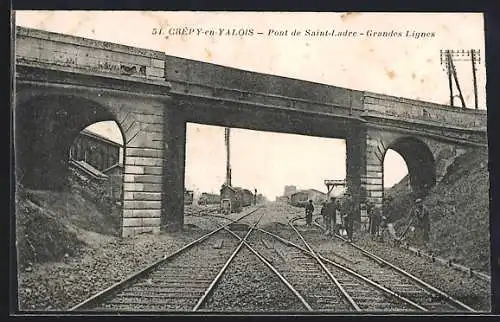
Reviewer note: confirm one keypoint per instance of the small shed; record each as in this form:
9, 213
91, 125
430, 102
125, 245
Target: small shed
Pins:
299, 198
233, 194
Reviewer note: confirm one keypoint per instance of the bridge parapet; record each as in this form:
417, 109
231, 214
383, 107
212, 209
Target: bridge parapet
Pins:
385, 106
210, 80
49, 50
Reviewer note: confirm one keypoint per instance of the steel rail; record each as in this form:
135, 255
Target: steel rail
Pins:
347, 270
380, 262
269, 265
405, 273
272, 268
105, 292
210, 288
327, 271
471, 272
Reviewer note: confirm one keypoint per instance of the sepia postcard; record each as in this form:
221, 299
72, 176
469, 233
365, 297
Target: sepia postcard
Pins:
250, 162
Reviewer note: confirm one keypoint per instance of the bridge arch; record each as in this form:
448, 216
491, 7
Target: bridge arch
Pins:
45, 128
420, 162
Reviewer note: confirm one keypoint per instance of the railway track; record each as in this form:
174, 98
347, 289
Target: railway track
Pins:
173, 283
325, 280
402, 272
315, 285
314, 289
345, 284
372, 271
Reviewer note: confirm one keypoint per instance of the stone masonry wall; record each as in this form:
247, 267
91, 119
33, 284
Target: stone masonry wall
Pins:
87, 55
143, 172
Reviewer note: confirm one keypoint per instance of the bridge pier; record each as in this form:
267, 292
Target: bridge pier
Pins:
356, 165
143, 166
174, 170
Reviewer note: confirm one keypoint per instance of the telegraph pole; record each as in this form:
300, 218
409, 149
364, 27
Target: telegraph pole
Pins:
454, 72
450, 82
449, 57
473, 60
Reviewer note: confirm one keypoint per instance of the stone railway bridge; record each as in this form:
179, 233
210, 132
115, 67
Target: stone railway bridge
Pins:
65, 83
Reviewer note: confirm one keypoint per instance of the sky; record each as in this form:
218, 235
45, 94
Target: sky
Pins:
399, 66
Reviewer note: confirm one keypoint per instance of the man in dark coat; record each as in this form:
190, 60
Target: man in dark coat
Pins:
421, 215
338, 217
309, 212
330, 212
373, 216
323, 213
385, 221
348, 214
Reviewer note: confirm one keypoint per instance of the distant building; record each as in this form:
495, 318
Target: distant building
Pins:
316, 196
289, 190
96, 150
228, 192
300, 198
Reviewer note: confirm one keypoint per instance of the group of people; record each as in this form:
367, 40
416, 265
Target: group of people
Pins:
339, 214
336, 215
379, 218
381, 221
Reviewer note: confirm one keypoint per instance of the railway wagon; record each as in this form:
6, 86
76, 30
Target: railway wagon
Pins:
246, 197
209, 199
236, 197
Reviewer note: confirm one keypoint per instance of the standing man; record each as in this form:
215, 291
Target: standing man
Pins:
348, 214
372, 216
421, 214
323, 214
330, 215
385, 221
338, 218
309, 212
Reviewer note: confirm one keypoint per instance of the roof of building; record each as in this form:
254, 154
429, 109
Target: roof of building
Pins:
228, 186
99, 137
314, 190
88, 169
307, 191
300, 192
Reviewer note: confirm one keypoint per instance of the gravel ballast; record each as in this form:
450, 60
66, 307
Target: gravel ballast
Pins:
249, 285
472, 291
59, 286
